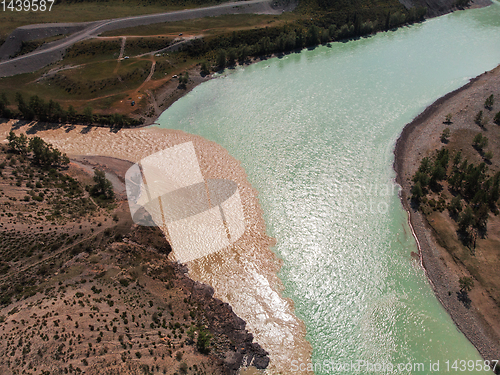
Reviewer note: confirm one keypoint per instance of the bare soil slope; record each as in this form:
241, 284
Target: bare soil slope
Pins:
83, 289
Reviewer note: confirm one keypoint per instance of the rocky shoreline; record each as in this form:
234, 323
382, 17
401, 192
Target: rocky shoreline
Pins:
240, 350
440, 267
221, 320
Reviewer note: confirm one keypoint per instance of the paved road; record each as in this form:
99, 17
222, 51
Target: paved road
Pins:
54, 51
40, 31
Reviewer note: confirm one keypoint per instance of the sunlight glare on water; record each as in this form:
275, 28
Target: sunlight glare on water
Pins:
315, 133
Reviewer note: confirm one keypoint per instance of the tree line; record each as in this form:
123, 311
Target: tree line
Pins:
226, 50
37, 109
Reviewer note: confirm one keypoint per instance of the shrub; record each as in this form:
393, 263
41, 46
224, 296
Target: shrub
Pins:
488, 104
445, 135
480, 119
496, 119
203, 343
480, 142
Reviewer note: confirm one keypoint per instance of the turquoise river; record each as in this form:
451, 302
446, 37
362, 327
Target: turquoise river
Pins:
315, 132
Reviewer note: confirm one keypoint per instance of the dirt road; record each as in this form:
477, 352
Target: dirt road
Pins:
54, 51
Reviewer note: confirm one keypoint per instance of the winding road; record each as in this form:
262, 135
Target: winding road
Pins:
54, 51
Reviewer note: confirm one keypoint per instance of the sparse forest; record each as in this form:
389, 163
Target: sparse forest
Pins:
469, 191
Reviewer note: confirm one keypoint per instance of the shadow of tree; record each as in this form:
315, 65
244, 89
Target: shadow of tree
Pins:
414, 204
69, 128
464, 298
86, 129
37, 126
19, 124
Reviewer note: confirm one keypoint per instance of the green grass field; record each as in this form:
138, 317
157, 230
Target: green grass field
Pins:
208, 25
105, 81
137, 46
92, 50
100, 79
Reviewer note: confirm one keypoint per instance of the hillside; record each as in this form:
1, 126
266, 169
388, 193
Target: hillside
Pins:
83, 289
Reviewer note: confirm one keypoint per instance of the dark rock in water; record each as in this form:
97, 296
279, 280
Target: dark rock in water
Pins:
202, 291
233, 361
261, 358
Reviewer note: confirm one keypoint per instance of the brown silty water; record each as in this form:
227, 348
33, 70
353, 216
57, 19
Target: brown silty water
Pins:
244, 274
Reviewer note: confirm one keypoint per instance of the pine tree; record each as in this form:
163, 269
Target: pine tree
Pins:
466, 219
466, 284
488, 104
455, 205
103, 187
221, 59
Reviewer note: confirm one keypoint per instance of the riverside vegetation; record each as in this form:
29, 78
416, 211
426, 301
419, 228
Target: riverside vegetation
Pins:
92, 78
36, 109
458, 189
83, 289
